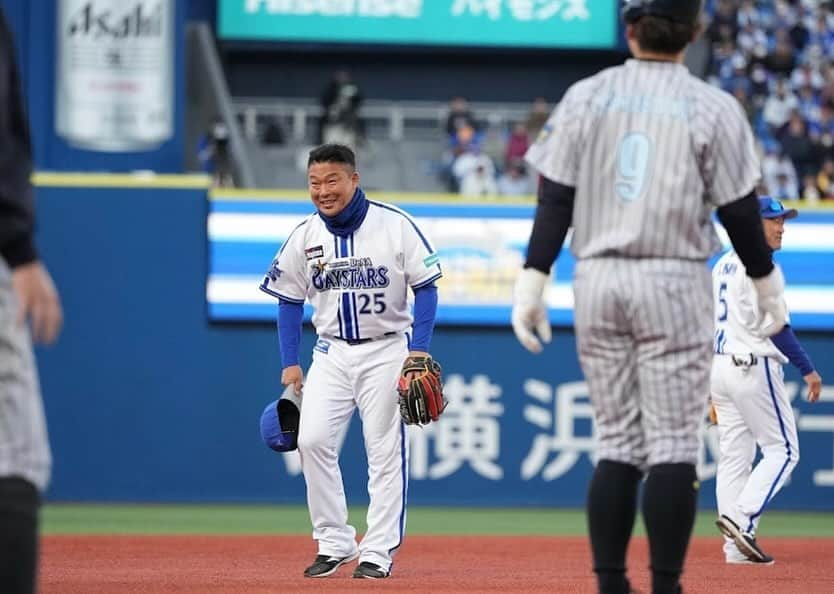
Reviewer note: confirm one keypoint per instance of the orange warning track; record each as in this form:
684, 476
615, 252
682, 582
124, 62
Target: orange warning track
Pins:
269, 564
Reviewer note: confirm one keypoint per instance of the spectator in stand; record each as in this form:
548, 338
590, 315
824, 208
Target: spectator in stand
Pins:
340, 122
537, 118
739, 77
825, 179
810, 191
214, 156
779, 107
724, 25
813, 55
827, 93
805, 75
784, 190
750, 37
809, 105
748, 16
782, 59
515, 181
798, 32
775, 165
460, 117
799, 147
476, 175
517, 144
821, 132
759, 85
823, 35
463, 136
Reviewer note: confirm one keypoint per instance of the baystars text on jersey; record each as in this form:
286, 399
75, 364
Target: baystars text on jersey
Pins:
348, 274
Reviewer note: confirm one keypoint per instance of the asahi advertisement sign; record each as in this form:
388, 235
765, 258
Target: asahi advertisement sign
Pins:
115, 74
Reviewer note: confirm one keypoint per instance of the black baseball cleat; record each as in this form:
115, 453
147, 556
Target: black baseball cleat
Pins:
325, 565
745, 542
369, 571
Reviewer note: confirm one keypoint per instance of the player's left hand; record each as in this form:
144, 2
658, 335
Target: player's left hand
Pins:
420, 389
293, 375
814, 383
529, 311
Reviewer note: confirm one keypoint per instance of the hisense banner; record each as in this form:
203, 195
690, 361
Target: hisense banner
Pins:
590, 24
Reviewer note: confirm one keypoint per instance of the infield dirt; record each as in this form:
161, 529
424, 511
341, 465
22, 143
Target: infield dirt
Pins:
443, 564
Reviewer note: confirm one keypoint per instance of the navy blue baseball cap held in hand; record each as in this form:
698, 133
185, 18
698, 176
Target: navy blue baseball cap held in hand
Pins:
279, 421
770, 208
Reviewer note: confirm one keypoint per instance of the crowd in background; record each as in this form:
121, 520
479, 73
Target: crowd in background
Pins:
777, 59
471, 171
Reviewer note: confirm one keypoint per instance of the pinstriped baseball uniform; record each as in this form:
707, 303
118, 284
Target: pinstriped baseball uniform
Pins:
24, 449
650, 150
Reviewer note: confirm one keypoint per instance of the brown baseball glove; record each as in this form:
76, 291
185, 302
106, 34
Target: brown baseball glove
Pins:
420, 390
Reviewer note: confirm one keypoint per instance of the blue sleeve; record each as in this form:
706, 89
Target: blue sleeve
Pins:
425, 310
289, 331
787, 342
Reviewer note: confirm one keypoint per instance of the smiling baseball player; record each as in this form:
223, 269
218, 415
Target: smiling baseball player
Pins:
750, 400
354, 261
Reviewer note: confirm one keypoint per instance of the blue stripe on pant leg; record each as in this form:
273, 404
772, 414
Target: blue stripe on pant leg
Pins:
787, 447
404, 473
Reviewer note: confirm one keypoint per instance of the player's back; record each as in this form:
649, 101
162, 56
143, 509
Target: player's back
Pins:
736, 312
646, 164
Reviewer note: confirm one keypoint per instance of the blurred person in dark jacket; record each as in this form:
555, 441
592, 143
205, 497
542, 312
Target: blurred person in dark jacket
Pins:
800, 147
27, 298
537, 118
460, 117
213, 154
340, 121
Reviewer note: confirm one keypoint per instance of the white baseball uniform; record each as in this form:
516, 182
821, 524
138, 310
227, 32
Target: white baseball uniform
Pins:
358, 288
751, 403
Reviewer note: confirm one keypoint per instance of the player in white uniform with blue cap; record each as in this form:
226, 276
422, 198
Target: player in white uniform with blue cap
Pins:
751, 404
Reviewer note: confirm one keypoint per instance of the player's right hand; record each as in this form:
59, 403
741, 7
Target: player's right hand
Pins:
529, 315
814, 383
293, 375
770, 292
38, 301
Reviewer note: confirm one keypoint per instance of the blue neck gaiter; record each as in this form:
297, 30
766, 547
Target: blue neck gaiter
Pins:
348, 221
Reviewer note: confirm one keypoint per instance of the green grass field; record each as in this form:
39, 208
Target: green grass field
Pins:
261, 519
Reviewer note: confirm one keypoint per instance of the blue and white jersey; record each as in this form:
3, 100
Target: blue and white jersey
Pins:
737, 318
357, 285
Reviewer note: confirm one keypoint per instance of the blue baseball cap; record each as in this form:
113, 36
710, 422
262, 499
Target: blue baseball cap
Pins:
279, 421
770, 208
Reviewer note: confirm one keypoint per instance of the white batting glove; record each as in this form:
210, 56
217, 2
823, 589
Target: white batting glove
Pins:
770, 293
529, 310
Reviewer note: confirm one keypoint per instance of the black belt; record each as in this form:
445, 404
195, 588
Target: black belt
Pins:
748, 360
354, 341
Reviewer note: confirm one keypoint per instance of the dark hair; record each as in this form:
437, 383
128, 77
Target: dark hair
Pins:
332, 153
662, 36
